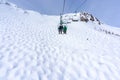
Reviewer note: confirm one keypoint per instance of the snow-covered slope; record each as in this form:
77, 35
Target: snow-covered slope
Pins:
32, 49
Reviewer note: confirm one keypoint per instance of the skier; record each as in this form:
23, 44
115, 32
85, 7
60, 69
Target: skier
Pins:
60, 29
65, 29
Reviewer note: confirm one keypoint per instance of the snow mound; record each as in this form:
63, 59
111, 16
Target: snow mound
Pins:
32, 49
82, 16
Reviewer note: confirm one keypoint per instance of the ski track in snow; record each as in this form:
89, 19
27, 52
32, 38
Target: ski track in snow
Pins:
35, 51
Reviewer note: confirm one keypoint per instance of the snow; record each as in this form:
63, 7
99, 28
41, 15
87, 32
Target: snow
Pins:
32, 49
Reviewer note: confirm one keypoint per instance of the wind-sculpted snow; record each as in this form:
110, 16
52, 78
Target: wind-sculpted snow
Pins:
32, 49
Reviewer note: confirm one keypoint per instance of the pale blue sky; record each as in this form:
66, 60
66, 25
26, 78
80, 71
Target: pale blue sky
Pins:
108, 11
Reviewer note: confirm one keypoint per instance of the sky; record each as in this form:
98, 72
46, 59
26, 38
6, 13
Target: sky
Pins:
105, 10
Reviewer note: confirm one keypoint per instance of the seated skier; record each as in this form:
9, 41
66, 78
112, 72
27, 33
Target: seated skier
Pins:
65, 29
60, 29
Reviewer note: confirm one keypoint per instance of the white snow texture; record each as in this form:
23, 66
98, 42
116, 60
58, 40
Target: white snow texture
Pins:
32, 49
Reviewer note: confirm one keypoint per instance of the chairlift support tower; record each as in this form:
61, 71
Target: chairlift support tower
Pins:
61, 22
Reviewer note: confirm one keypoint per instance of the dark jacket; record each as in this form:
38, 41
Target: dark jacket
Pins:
60, 27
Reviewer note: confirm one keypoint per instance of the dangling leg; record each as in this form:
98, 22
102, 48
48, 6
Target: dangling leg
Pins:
65, 32
59, 31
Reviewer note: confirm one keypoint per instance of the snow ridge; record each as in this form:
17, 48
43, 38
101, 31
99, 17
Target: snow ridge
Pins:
81, 16
89, 18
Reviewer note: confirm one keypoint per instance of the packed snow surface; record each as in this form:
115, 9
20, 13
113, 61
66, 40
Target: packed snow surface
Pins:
32, 49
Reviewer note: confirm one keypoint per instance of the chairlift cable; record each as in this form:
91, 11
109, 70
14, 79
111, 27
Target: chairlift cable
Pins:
81, 5
70, 5
63, 7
